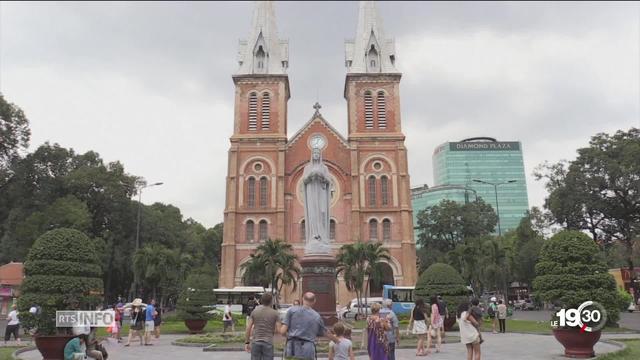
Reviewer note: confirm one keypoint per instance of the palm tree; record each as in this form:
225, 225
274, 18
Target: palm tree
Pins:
359, 261
273, 264
155, 263
350, 263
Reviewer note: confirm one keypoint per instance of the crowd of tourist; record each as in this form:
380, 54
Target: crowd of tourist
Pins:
302, 326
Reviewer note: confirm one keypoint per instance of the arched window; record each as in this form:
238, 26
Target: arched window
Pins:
253, 111
386, 230
263, 192
263, 230
372, 191
368, 110
332, 229
249, 231
303, 231
384, 190
266, 112
382, 110
251, 192
373, 229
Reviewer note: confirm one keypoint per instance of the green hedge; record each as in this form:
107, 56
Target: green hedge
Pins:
624, 299
442, 279
197, 293
62, 273
56, 267
571, 270
64, 245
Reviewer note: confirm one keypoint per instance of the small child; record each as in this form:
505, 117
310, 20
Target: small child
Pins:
347, 332
476, 312
344, 349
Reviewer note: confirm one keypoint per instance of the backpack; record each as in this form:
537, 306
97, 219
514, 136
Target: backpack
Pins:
491, 311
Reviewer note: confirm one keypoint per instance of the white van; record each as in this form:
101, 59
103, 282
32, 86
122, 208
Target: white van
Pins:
351, 311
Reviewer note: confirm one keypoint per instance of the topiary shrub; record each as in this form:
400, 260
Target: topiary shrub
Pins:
196, 298
62, 272
442, 279
624, 299
571, 270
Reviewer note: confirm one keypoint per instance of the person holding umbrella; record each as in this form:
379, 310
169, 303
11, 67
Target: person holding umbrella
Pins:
138, 316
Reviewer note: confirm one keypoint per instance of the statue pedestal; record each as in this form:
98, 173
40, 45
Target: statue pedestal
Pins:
319, 277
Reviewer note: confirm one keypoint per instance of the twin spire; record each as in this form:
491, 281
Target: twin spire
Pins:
264, 53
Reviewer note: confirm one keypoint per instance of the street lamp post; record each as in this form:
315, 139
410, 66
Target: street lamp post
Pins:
495, 189
139, 185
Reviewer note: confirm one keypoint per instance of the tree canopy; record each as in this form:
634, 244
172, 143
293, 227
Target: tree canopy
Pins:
14, 136
448, 224
600, 190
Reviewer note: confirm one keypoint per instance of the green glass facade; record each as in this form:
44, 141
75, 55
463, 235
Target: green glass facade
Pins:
491, 161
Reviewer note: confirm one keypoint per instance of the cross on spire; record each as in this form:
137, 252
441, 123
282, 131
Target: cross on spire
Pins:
317, 106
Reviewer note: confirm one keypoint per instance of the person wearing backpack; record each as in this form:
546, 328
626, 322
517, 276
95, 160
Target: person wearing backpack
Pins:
492, 312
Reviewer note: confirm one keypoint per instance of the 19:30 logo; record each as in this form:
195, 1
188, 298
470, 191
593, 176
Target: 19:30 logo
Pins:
589, 316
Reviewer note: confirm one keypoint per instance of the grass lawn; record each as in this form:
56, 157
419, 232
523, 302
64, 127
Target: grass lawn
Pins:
632, 352
5, 352
178, 327
173, 326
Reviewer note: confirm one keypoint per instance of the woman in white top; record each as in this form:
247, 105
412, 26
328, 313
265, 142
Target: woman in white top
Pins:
13, 325
469, 334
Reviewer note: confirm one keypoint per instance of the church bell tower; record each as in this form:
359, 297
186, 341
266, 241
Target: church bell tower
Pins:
382, 201
254, 209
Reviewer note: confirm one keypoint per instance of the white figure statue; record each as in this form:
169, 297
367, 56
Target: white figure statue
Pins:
317, 198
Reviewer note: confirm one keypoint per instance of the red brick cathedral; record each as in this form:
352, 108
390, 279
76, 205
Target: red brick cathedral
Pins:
370, 196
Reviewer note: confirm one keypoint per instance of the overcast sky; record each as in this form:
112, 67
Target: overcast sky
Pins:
149, 84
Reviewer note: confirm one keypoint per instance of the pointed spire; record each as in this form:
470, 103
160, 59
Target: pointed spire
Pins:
370, 51
263, 52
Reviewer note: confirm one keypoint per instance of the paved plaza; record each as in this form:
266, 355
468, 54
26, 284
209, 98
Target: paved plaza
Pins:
496, 347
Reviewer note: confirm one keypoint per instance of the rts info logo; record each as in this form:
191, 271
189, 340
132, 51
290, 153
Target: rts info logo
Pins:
589, 316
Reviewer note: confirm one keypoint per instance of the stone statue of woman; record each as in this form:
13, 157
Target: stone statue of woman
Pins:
317, 197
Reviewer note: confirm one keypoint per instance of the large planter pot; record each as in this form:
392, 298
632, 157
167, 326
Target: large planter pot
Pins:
195, 326
52, 347
576, 344
449, 322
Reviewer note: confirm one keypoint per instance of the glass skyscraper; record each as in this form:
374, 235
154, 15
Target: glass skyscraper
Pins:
478, 162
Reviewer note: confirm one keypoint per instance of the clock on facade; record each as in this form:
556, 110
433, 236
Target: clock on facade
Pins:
317, 142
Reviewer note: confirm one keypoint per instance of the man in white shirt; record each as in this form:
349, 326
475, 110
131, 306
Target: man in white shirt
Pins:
13, 326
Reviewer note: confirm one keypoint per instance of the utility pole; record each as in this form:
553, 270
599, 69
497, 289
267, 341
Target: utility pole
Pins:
140, 184
495, 189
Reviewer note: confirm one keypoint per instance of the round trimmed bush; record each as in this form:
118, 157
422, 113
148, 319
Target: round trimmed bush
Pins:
442, 279
571, 270
196, 297
62, 272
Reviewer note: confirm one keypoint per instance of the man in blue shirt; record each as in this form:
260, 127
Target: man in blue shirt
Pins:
302, 325
149, 324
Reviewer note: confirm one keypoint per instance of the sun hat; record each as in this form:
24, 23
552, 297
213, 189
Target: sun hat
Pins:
494, 298
137, 302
